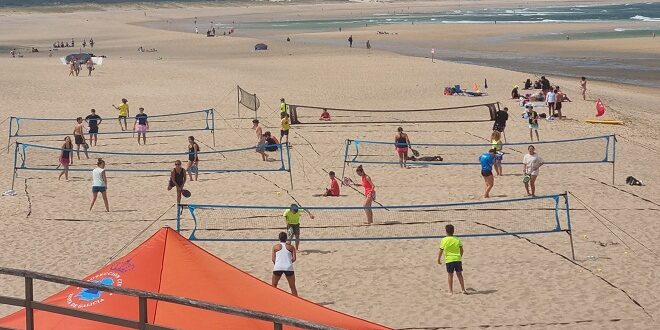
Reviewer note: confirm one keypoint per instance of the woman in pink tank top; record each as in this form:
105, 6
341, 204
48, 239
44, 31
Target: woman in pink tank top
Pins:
369, 193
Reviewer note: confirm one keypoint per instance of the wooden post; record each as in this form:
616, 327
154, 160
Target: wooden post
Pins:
29, 298
143, 312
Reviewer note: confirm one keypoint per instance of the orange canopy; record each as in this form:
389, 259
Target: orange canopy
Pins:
168, 263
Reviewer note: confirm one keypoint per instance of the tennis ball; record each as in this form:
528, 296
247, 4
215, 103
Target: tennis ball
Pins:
279, 193
599, 269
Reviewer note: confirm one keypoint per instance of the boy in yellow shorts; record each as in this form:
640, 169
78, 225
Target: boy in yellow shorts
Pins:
453, 249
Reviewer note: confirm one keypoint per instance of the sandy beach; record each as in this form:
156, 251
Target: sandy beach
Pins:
517, 282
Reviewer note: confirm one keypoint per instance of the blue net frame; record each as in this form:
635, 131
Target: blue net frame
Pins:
14, 129
560, 202
21, 163
352, 156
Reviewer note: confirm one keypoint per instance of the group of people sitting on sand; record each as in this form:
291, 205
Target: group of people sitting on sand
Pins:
141, 49
548, 96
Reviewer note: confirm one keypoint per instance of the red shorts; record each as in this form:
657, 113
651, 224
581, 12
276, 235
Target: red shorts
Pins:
403, 150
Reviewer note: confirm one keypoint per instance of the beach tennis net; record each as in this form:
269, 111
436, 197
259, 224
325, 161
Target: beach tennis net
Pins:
598, 149
198, 120
306, 114
533, 215
248, 100
47, 158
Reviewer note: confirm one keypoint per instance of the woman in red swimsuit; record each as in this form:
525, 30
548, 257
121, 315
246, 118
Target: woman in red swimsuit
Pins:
369, 193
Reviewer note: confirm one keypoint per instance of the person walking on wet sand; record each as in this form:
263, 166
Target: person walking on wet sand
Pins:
350, 41
283, 256
583, 88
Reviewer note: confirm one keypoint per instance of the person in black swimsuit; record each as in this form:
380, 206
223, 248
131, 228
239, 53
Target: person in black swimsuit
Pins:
401, 145
193, 158
177, 179
65, 158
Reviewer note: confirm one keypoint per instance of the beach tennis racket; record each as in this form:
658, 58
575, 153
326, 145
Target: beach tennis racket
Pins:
346, 181
526, 178
414, 152
185, 193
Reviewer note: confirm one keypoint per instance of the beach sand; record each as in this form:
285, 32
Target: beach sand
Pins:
516, 281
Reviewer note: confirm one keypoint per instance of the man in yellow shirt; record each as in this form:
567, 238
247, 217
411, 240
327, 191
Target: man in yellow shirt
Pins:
285, 126
453, 249
283, 106
123, 113
292, 218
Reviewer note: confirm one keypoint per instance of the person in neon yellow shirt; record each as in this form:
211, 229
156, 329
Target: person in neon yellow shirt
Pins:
292, 218
453, 249
283, 106
285, 126
123, 113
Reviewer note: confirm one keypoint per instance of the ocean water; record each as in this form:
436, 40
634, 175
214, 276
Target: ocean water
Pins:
643, 12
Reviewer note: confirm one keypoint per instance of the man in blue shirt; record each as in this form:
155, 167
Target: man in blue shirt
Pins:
486, 160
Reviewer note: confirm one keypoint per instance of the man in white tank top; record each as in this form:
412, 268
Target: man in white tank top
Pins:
284, 255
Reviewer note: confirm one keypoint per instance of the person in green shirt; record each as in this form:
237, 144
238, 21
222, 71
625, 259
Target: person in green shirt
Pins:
292, 218
453, 249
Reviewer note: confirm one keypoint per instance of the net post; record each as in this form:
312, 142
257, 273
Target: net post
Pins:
179, 210
613, 157
13, 177
213, 125
288, 156
11, 119
343, 170
255, 106
569, 231
238, 101
570, 238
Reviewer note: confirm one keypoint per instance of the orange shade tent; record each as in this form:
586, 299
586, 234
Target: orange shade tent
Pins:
170, 264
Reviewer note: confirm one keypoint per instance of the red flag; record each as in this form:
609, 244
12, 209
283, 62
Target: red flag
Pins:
600, 108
